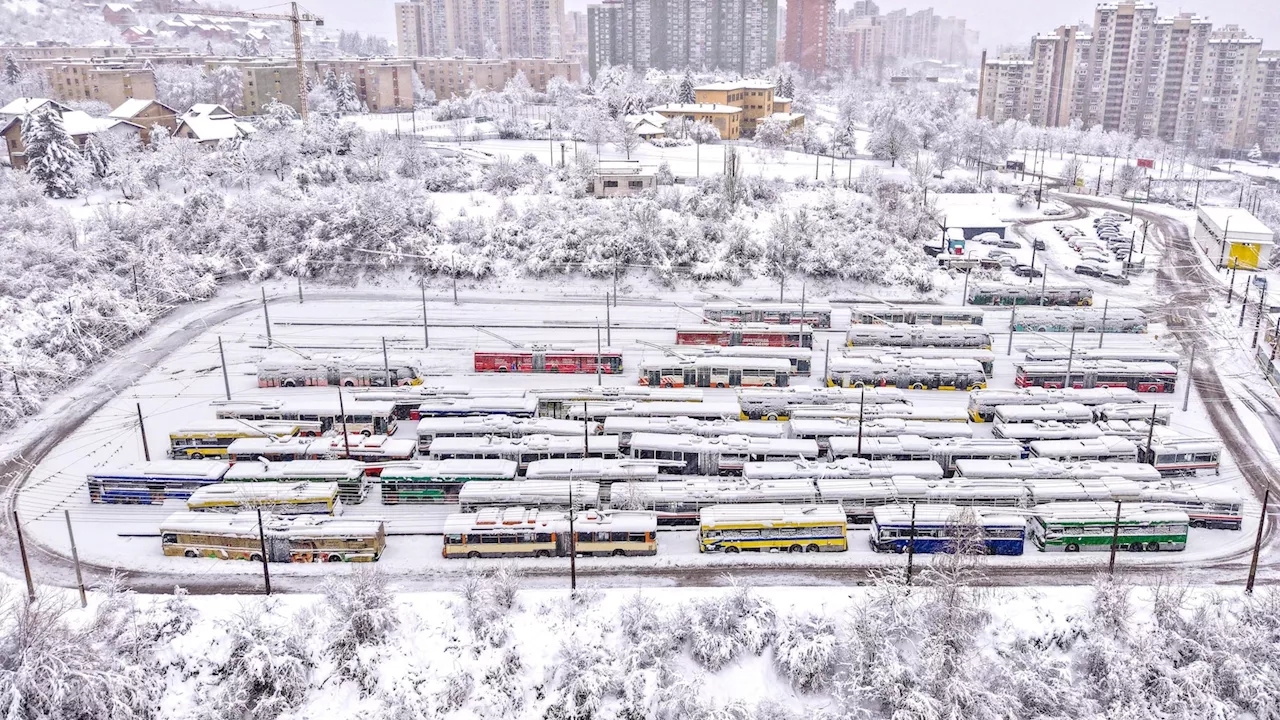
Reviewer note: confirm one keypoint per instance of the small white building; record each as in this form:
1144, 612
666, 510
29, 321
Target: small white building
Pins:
973, 220
616, 178
1233, 237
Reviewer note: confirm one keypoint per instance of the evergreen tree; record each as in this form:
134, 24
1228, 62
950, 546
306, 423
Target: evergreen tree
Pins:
348, 99
687, 95
97, 156
782, 83
331, 82
208, 47
52, 156
789, 89
12, 74
1255, 153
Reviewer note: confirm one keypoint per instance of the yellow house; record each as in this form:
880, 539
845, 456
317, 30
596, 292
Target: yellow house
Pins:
755, 97
726, 118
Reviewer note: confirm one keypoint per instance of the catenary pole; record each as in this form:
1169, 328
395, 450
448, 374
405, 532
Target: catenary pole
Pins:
1257, 324
226, 380
142, 430
826, 365
262, 547
75, 559
1244, 304
608, 321
26, 563
426, 334
911, 543
862, 404
266, 316
1115, 541
299, 289
386, 364
1186, 391
1071, 356
346, 439
1102, 331
1013, 315
1257, 542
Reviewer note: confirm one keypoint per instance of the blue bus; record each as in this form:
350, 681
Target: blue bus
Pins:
151, 483
935, 529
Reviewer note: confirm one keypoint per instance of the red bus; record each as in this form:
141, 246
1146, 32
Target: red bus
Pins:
548, 361
1140, 376
747, 335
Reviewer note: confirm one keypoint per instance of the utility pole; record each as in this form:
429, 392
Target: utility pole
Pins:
1253, 564
573, 544
826, 365
1244, 305
1071, 356
1151, 427
911, 544
1186, 391
226, 380
608, 321
1257, 324
453, 270
1102, 331
598, 379
1231, 287
142, 430
426, 334
964, 299
862, 404
386, 365
75, 559
137, 296
26, 564
1115, 541
299, 289
262, 546
346, 439
1013, 318
266, 316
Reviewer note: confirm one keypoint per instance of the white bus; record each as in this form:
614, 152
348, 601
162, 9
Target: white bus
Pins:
514, 405
693, 455
1111, 319
375, 451
948, 452
825, 430
847, 446
364, 418
603, 472
679, 502
521, 532
933, 528
1028, 432
302, 538
551, 494
801, 358
1108, 489
295, 498
715, 372
439, 481
1036, 468
288, 372
1060, 354
1069, 413
881, 314
772, 526
849, 467
1135, 430
556, 402
210, 438
430, 428
709, 410
985, 358
1143, 377
1102, 449
523, 450
1171, 453
1208, 506
983, 403
907, 373
269, 448
1134, 411
860, 497
815, 314
349, 474
893, 447
777, 403
949, 336
625, 427
922, 413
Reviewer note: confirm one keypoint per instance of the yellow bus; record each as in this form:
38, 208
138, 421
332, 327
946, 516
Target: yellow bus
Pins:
522, 532
281, 498
227, 536
211, 438
772, 526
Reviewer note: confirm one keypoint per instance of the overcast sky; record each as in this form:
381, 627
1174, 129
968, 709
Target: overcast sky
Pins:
998, 21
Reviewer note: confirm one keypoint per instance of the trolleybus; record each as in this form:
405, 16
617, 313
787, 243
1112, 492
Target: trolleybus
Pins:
1101, 449
523, 532
860, 497
151, 483
1134, 411
880, 314
801, 359
825, 430
983, 403
1171, 453
1077, 526
625, 427
278, 498
1069, 413
907, 373
1207, 506
694, 455
709, 410
816, 315
513, 405
1004, 294
375, 451
1059, 354
924, 413
349, 474
896, 447
986, 358
946, 529
564, 362
523, 450
552, 494
210, 439
776, 403
556, 402
366, 418
604, 473
849, 467
1142, 377
717, 372
1028, 432
289, 372
924, 336
439, 481
1036, 468
679, 502
303, 538
947, 452
272, 449
795, 336
1080, 319
772, 526
496, 425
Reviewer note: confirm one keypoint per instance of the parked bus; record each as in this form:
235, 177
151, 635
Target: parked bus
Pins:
210, 438
679, 502
375, 451
923, 413
693, 455
947, 452
1005, 294
278, 498
1080, 319
1028, 432
907, 373
849, 467
439, 481
983, 403
604, 473
709, 410
365, 418
404, 400
718, 372
816, 315
1069, 413
521, 532
625, 427
986, 358
924, 336
349, 474
506, 426
1036, 468
1135, 430
151, 483
893, 447
563, 362
552, 494
1133, 411
1102, 449
290, 372
772, 526
523, 450
272, 449
515, 406
1077, 526
801, 359
1207, 506
1138, 355
861, 497
556, 402
1107, 489
795, 336
825, 430
881, 314
1142, 377
776, 403
1171, 453
304, 538
945, 529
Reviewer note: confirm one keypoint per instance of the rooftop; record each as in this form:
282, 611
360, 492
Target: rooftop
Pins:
696, 108
1241, 221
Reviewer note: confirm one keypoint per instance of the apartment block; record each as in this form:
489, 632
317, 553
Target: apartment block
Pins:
109, 83
1264, 115
384, 85
1005, 89
1182, 46
450, 77
573, 34
480, 28
731, 35
857, 46
1226, 90
268, 81
1055, 58
604, 36
808, 35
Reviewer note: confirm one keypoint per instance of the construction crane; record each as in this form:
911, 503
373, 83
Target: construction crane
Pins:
296, 18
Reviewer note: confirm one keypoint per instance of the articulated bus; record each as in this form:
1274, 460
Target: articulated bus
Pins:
877, 314
819, 316
1028, 432
795, 336
772, 526
777, 403
513, 405
679, 502
893, 447
945, 528
625, 427
801, 359
1069, 413
1081, 319
289, 372
439, 481
548, 494
826, 430
564, 362
498, 426
279, 498
1076, 526
151, 483
1146, 412
521, 532
303, 538
907, 373
557, 402
1004, 294
986, 358
1141, 355
861, 497
1101, 449
349, 474
709, 410
983, 403
847, 445
926, 413
604, 473
523, 450
924, 336
716, 372
211, 438
1037, 468
694, 455
849, 467
1142, 377
363, 417
405, 399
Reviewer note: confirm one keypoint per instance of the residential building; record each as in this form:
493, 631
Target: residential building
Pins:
384, 85
449, 77
1005, 89
604, 36
615, 178
1182, 43
480, 28
1055, 57
147, 114
110, 83
208, 124
573, 34
119, 14
808, 33
726, 118
79, 125
1265, 113
732, 35
857, 46
865, 8
266, 81
754, 97
1226, 90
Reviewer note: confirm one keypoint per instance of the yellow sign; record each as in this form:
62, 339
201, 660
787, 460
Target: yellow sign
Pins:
1079, 182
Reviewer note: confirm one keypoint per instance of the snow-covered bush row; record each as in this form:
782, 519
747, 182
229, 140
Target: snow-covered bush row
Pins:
944, 649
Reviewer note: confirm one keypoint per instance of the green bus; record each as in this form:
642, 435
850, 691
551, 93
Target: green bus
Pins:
1077, 526
438, 481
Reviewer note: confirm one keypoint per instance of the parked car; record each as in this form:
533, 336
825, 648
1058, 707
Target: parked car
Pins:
1056, 211
1089, 269
1026, 271
1096, 257
1185, 205
986, 238
1008, 243
1038, 244
1114, 278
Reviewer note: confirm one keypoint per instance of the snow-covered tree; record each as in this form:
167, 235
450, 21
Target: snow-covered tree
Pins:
362, 616
347, 98
12, 73
892, 139
624, 136
1255, 153
179, 86
789, 88
703, 132
771, 133
422, 97
226, 87
52, 156
518, 91
686, 93
845, 139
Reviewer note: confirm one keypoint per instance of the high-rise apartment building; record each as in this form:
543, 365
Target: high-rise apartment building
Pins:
732, 35
808, 35
1264, 116
1005, 89
480, 28
1056, 59
858, 45
604, 36
1226, 90
1181, 43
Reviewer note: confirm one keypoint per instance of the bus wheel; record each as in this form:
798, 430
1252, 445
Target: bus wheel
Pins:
1135, 547
768, 385
731, 549
191, 554
255, 557
542, 553
1072, 547
333, 558
1154, 388
473, 555
348, 383
288, 383
811, 548
773, 417
1153, 546
366, 432
197, 456
796, 549
619, 552
721, 385
1091, 330
917, 386
900, 549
